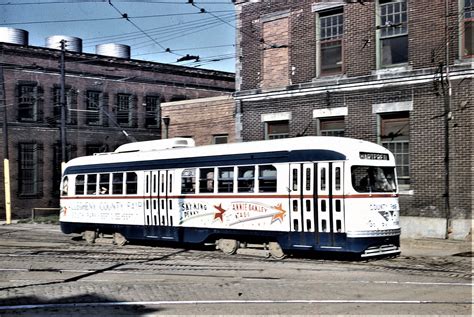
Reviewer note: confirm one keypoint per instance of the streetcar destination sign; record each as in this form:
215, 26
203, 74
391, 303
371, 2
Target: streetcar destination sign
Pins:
373, 156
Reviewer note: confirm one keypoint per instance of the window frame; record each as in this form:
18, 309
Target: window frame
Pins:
330, 132
381, 37
152, 111
94, 103
28, 104
29, 185
322, 40
403, 179
122, 113
467, 16
280, 135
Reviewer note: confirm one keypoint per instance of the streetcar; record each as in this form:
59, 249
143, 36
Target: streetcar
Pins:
306, 194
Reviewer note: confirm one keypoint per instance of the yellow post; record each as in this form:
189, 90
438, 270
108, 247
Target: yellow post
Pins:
6, 173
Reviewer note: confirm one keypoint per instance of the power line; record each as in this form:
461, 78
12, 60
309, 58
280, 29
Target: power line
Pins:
105, 19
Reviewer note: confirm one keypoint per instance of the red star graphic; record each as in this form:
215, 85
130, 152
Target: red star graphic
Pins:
278, 216
219, 214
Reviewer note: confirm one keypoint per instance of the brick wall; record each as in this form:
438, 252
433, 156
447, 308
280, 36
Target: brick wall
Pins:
201, 119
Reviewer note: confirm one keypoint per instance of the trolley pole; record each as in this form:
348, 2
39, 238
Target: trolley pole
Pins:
63, 106
6, 160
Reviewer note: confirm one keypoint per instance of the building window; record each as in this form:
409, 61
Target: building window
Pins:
330, 32
91, 149
395, 136
124, 110
331, 126
468, 29
393, 34
152, 112
277, 130
71, 105
27, 103
220, 139
93, 107
30, 162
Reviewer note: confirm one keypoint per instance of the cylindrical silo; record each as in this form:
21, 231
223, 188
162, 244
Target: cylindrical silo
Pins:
13, 36
73, 44
113, 50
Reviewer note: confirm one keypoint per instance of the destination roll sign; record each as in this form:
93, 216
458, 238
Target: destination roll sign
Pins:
373, 156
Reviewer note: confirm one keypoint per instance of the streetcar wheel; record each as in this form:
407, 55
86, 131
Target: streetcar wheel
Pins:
228, 246
89, 236
119, 239
276, 251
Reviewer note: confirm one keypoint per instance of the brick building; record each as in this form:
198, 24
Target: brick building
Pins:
206, 120
107, 98
373, 70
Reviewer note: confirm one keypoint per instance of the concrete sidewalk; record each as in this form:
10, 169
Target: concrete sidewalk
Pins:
435, 247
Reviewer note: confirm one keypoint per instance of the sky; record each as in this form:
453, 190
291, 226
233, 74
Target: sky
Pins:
156, 30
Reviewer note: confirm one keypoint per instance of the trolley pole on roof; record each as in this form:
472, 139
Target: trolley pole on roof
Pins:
63, 106
6, 160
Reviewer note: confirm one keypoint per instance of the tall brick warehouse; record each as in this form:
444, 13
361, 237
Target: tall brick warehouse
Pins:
107, 98
395, 72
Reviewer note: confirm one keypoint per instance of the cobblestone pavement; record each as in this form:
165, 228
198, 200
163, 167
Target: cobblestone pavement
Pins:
43, 272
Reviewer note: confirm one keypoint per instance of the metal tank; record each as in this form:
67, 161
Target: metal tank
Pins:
113, 50
73, 44
13, 36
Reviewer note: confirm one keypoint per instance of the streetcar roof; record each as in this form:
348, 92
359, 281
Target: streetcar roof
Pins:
311, 148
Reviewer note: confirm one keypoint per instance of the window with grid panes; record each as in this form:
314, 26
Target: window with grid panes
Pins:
29, 161
152, 111
330, 41
395, 136
27, 103
331, 126
393, 28
93, 107
277, 130
468, 29
124, 110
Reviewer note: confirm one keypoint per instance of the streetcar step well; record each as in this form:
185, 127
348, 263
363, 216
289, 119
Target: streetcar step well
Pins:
381, 250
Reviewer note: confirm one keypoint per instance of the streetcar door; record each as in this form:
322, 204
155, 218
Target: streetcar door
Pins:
337, 197
163, 197
322, 184
296, 198
302, 197
308, 201
330, 182
151, 199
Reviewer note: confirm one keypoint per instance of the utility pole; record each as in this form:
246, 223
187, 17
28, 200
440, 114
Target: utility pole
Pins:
63, 106
447, 118
6, 160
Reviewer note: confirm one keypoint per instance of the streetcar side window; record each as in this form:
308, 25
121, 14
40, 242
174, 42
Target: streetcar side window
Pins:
65, 186
131, 183
206, 180
79, 188
246, 179
225, 180
117, 183
91, 184
104, 184
188, 181
267, 178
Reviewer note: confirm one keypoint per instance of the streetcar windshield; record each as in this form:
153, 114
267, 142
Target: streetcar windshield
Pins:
368, 179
